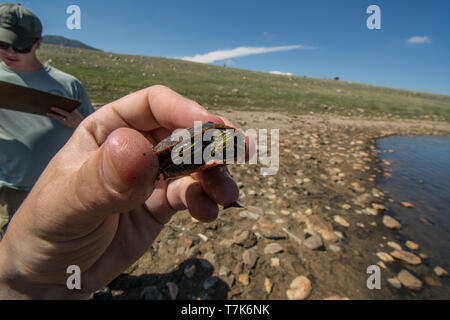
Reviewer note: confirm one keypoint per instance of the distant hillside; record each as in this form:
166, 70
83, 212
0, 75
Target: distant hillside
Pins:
108, 76
61, 41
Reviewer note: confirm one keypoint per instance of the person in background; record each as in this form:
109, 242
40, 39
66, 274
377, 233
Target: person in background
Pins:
29, 141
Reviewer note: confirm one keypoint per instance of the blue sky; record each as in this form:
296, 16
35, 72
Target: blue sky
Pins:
315, 38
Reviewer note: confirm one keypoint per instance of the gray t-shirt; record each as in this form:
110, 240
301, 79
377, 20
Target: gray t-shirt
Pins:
28, 141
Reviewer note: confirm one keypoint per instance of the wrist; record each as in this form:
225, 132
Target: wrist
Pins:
16, 284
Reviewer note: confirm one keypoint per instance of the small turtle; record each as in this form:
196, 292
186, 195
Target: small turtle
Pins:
183, 156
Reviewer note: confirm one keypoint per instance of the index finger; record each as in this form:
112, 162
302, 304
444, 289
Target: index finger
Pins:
146, 110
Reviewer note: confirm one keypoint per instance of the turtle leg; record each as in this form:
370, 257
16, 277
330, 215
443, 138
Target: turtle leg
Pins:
234, 205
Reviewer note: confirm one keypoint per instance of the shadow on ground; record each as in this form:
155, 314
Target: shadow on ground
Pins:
193, 280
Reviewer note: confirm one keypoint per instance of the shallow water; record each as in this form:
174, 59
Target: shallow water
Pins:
421, 176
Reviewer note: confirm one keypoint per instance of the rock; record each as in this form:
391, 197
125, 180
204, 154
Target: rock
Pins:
268, 285
244, 279
407, 204
391, 223
173, 290
406, 256
227, 243
273, 248
321, 226
249, 257
409, 281
189, 271
381, 264
371, 211
300, 289
346, 206
314, 242
211, 257
363, 200
411, 245
341, 221
275, 262
245, 238
334, 248
440, 272
270, 229
395, 283
394, 245
433, 282
426, 221
386, 257
378, 206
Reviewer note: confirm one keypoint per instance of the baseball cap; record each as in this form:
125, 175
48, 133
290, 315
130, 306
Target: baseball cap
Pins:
19, 26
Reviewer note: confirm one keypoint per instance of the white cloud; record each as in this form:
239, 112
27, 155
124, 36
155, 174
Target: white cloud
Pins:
281, 73
419, 39
219, 55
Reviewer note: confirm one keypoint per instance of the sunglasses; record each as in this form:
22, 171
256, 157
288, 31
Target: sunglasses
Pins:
5, 46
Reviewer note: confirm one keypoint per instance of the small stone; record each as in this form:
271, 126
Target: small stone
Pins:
314, 242
268, 285
426, 221
363, 200
394, 245
244, 279
346, 206
273, 248
395, 283
227, 243
321, 226
270, 229
341, 221
407, 204
409, 281
371, 211
211, 257
378, 206
189, 271
423, 255
381, 264
411, 245
173, 290
249, 257
391, 223
203, 237
433, 282
334, 248
245, 238
300, 288
308, 212
386, 257
440, 272
275, 262
406, 256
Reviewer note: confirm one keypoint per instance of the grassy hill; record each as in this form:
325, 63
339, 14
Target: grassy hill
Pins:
108, 76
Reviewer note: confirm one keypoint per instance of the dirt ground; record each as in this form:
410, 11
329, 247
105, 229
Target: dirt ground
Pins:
317, 217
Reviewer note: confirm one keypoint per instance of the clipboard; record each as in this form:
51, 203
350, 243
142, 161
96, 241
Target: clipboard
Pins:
20, 98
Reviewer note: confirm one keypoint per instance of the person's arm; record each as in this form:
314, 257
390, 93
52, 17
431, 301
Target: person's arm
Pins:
99, 205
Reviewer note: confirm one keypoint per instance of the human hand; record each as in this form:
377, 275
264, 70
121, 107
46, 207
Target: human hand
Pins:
69, 119
97, 204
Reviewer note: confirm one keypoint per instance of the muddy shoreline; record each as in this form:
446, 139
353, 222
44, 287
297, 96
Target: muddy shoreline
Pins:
319, 217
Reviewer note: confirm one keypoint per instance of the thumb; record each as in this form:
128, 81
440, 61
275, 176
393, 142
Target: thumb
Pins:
119, 176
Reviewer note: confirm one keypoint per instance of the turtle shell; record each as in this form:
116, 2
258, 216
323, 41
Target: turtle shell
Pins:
185, 155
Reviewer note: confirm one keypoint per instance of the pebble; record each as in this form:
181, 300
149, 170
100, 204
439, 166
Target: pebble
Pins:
275, 262
273, 248
395, 283
341, 221
203, 237
173, 290
394, 245
245, 238
412, 245
433, 282
391, 223
440, 272
363, 200
249, 257
409, 281
346, 206
321, 226
406, 256
189, 271
270, 229
386, 257
300, 288
244, 279
314, 242
268, 285
334, 248
407, 204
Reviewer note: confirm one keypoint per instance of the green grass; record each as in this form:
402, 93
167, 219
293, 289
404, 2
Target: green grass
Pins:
109, 76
